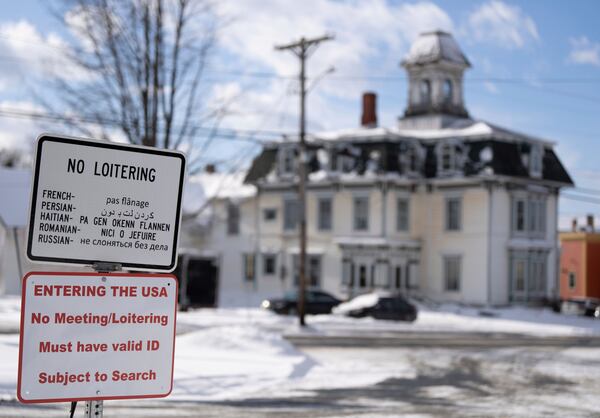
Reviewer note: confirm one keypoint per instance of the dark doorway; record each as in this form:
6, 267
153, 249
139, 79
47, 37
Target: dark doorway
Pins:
198, 278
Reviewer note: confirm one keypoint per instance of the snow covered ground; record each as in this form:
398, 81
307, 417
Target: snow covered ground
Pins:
233, 354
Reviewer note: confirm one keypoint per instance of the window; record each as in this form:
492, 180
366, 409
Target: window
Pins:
323, 297
269, 264
412, 163
447, 91
287, 160
402, 216
528, 275
249, 270
529, 215
425, 91
324, 214
398, 277
269, 214
410, 157
381, 273
347, 272
452, 273
312, 271
361, 213
520, 275
453, 214
446, 158
572, 281
290, 214
519, 215
233, 219
535, 160
362, 276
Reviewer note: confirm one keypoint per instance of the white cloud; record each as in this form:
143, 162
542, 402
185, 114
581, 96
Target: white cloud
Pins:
28, 56
362, 29
18, 132
502, 24
370, 38
584, 51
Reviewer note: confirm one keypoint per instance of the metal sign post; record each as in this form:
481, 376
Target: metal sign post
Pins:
95, 409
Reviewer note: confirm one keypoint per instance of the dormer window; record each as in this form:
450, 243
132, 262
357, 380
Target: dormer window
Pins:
425, 91
346, 160
287, 161
411, 158
447, 90
535, 160
447, 157
450, 157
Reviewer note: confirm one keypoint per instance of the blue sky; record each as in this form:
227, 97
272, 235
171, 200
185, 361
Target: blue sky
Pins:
536, 67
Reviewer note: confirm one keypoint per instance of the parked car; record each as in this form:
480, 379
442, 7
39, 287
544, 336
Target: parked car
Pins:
581, 306
316, 302
379, 306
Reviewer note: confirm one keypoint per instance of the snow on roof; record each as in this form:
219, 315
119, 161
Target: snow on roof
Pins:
433, 47
201, 188
463, 128
15, 187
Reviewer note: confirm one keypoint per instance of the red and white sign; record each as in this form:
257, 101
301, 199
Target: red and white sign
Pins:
93, 336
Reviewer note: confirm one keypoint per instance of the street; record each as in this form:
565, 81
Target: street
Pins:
429, 382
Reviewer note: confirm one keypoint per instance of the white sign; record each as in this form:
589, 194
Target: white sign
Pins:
96, 336
98, 201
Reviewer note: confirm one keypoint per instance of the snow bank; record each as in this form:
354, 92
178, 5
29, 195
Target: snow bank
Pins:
10, 314
234, 362
9, 353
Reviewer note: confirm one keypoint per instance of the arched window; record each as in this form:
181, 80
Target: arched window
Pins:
425, 91
447, 90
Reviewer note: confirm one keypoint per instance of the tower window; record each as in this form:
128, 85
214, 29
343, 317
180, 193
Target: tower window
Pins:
447, 90
425, 91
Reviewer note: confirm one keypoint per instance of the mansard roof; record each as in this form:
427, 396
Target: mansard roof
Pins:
433, 47
505, 147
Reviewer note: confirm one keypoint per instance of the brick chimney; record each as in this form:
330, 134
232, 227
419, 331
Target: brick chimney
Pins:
590, 223
574, 225
369, 110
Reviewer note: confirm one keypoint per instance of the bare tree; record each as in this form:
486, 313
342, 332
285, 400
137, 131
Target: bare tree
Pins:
143, 62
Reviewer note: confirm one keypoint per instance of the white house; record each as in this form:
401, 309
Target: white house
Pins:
443, 205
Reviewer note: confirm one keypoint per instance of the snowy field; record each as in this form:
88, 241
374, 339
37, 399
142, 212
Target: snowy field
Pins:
229, 355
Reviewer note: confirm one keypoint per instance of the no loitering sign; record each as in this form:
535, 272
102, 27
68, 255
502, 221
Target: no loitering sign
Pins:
95, 201
92, 336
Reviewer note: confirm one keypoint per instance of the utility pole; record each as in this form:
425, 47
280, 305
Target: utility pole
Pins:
302, 49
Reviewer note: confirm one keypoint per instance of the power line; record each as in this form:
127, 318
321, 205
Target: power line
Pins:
586, 190
580, 198
255, 136
214, 74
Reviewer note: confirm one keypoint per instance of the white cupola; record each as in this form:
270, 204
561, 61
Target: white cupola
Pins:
435, 65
